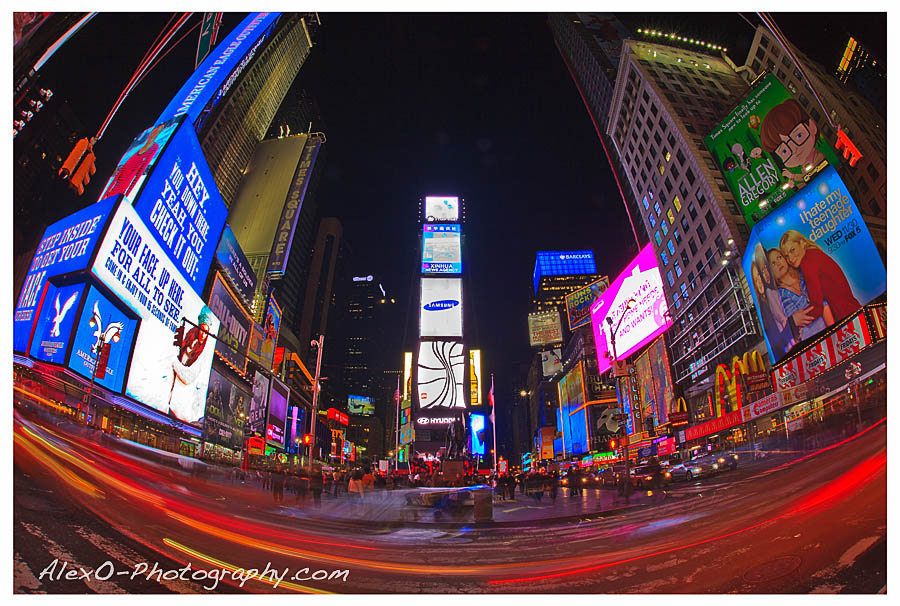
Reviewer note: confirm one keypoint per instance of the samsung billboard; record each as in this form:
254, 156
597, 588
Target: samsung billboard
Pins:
440, 312
441, 249
810, 264
645, 320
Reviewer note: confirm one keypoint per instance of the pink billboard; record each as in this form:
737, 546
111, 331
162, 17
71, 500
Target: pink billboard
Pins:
645, 321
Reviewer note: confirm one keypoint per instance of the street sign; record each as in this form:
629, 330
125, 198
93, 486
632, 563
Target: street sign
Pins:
621, 368
502, 466
208, 30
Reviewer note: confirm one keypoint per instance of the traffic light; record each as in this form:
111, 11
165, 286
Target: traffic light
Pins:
79, 166
307, 439
179, 336
613, 444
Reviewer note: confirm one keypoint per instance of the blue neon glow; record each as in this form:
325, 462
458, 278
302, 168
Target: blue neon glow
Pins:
477, 425
563, 263
54, 325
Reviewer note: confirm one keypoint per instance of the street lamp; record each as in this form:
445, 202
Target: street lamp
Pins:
318, 344
631, 303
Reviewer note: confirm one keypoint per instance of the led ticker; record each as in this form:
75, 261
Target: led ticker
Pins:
441, 249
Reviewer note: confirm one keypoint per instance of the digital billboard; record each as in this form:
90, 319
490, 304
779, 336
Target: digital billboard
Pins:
66, 246
578, 303
278, 402
810, 264
54, 324
544, 328
441, 249
646, 320
258, 403
111, 325
563, 263
236, 266
171, 379
571, 415
475, 376
477, 425
441, 208
551, 362
441, 373
440, 313
214, 76
235, 325
181, 205
766, 148
407, 374
360, 405
654, 382
222, 423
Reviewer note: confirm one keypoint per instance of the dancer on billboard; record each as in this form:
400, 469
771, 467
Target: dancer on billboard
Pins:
778, 326
794, 297
182, 401
825, 280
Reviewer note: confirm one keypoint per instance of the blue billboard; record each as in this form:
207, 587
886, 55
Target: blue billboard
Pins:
236, 266
101, 320
563, 263
441, 249
477, 424
54, 324
68, 245
182, 207
221, 68
811, 263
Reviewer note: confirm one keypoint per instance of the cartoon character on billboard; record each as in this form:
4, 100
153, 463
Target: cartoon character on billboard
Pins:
791, 134
825, 280
182, 401
779, 327
795, 298
111, 334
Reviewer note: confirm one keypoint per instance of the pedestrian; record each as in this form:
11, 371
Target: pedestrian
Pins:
316, 484
335, 482
277, 478
368, 479
355, 487
551, 486
302, 486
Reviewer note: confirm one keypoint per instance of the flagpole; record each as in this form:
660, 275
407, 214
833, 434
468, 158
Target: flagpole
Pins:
397, 427
494, 422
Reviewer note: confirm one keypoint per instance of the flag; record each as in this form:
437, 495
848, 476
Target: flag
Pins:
491, 399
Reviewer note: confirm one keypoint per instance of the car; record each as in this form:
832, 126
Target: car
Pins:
727, 460
642, 476
698, 467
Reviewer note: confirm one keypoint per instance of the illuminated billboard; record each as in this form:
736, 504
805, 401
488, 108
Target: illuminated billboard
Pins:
477, 425
236, 324
114, 328
544, 328
54, 324
215, 75
551, 362
441, 208
171, 379
563, 263
264, 338
236, 266
578, 303
407, 374
475, 376
646, 320
766, 148
360, 405
810, 264
441, 373
222, 423
441, 250
278, 402
66, 246
654, 383
440, 311
258, 402
571, 416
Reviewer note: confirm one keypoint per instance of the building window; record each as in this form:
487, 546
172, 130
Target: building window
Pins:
677, 267
663, 226
684, 292
693, 246
732, 207
662, 168
685, 224
671, 247
664, 257
684, 258
701, 199
656, 208
764, 41
689, 128
690, 278
671, 215
710, 220
692, 211
677, 204
652, 218
701, 234
658, 239
742, 229
876, 208
873, 172
646, 204
710, 164
677, 235
669, 278
689, 175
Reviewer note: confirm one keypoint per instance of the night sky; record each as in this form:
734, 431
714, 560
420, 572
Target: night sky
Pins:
476, 105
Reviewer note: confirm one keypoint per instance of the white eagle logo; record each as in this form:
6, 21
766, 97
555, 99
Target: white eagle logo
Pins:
103, 336
61, 313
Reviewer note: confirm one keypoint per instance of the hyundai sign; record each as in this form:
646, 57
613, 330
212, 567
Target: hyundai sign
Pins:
646, 320
440, 314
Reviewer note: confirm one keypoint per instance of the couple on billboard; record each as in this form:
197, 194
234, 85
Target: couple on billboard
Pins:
801, 291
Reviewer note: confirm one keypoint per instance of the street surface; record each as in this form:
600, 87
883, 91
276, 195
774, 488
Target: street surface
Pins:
815, 525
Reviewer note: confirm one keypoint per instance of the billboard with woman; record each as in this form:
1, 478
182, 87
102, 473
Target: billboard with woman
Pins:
811, 263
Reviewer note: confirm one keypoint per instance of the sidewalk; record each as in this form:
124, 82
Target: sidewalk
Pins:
391, 508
